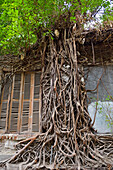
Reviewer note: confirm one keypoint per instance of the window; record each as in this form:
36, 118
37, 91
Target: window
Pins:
19, 109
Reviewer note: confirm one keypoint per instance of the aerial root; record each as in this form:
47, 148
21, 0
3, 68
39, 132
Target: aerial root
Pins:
68, 139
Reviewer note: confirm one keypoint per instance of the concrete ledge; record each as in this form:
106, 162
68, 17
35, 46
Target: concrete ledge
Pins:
16, 137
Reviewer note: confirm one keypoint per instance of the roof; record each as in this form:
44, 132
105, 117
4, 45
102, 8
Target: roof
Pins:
94, 47
97, 48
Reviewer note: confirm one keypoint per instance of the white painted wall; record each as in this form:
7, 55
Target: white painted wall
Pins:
104, 116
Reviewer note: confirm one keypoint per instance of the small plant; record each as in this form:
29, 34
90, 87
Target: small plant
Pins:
106, 109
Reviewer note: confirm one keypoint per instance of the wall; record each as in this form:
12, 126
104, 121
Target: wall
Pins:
103, 76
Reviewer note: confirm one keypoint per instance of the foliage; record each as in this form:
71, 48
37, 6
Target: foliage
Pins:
22, 20
105, 108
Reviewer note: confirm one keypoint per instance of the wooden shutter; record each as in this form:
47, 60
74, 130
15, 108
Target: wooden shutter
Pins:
19, 110
14, 104
26, 103
4, 107
30, 114
35, 122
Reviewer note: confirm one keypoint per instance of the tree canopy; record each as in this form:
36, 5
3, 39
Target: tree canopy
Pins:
22, 20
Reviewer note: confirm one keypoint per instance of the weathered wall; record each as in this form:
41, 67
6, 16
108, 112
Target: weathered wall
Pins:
104, 116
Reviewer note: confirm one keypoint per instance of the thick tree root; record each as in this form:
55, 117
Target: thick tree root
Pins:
68, 140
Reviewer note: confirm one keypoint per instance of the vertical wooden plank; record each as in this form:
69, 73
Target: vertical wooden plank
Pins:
11, 101
1, 131
31, 103
7, 111
93, 52
22, 100
20, 103
40, 104
1, 102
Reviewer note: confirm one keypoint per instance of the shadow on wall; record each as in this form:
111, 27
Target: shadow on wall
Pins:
104, 116
99, 83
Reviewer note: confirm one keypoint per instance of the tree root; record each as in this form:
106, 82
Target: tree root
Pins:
68, 140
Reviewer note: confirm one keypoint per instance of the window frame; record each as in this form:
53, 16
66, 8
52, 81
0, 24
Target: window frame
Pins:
21, 100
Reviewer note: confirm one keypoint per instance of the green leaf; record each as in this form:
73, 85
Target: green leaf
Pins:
19, 19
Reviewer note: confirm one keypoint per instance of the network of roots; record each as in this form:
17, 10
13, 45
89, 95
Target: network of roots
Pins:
67, 139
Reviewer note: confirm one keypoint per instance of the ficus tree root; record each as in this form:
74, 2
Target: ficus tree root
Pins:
67, 140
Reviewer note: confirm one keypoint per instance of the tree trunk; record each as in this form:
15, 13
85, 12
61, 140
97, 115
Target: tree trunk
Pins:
67, 139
